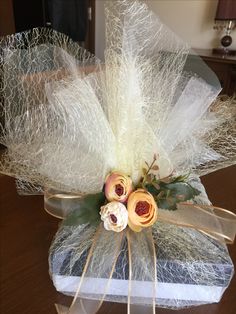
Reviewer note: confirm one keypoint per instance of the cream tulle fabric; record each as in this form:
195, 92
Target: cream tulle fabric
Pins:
69, 119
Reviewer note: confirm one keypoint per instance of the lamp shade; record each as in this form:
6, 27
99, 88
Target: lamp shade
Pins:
226, 10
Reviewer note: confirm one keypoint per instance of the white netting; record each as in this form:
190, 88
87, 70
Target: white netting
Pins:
222, 138
52, 115
68, 120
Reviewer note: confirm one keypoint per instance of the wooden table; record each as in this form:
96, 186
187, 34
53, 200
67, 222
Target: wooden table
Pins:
27, 231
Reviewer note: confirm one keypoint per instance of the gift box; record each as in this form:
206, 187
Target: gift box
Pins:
191, 267
116, 148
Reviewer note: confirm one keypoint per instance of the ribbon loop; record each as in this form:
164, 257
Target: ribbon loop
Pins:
61, 309
59, 204
215, 222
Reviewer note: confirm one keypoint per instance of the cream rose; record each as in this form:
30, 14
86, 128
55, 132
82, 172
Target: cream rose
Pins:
142, 210
115, 216
118, 187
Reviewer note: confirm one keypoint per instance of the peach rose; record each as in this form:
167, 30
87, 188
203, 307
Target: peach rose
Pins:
115, 216
142, 210
118, 187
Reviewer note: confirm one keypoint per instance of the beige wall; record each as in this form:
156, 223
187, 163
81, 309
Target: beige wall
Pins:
192, 20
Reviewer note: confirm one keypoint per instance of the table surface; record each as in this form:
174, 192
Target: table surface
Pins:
27, 231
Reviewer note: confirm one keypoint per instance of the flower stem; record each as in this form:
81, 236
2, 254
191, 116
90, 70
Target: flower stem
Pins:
150, 167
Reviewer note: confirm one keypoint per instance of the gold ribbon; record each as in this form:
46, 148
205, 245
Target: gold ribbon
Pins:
110, 250
142, 264
215, 222
59, 204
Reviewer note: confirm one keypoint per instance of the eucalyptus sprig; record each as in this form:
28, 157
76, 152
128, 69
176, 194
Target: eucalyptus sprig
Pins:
167, 191
147, 176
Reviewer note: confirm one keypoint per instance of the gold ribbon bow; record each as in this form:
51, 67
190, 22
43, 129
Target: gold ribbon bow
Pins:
215, 222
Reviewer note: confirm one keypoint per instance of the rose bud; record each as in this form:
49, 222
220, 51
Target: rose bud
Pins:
115, 216
118, 187
142, 210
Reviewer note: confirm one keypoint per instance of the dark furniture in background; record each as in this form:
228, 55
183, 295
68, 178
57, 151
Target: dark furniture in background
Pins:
7, 24
75, 18
27, 231
29, 14
224, 67
69, 17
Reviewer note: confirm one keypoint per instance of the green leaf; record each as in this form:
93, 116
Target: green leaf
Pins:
175, 193
156, 185
161, 195
166, 180
151, 189
181, 178
87, 210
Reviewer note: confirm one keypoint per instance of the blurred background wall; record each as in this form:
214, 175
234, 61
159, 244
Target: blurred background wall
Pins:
192, 20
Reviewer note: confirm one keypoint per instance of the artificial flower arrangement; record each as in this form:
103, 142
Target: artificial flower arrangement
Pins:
117, 150
137, 206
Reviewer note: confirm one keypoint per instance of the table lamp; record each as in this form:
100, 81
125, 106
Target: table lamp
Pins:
225, 19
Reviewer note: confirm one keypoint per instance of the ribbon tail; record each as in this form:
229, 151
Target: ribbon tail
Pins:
100, 264
83, 306
142, 268
61, 309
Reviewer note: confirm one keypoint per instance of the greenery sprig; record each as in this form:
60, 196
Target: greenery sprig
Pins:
167, 191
